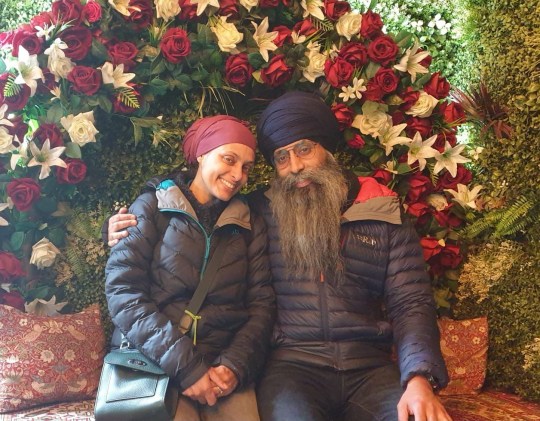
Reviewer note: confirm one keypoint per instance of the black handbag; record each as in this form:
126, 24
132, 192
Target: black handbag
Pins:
134, 388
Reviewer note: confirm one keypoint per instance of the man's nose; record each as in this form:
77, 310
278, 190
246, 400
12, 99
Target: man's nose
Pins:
296, 163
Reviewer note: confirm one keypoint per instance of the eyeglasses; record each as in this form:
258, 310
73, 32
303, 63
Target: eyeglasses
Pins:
303, 150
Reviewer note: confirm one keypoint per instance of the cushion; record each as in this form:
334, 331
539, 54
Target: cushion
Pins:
464, 345
47, 359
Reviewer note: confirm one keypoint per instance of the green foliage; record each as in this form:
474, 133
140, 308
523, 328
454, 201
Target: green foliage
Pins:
15, 12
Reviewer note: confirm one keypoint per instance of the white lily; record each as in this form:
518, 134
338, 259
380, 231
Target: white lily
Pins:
410, 62
353, 91
264, 39
46, 157
449, 159
390, 137
116, 75
464, 196
29, 70
4, 121
44, 32
313, 8
203, 4
420, 150
121, 6
6, 141
55, 49
248, 4
20, 156
42, 307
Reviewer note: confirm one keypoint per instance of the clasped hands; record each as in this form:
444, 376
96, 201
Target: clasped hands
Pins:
216, 383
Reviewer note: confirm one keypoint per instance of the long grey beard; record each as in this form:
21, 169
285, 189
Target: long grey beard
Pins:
309, 219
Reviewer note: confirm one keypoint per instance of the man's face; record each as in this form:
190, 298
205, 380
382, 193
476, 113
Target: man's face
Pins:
302, 154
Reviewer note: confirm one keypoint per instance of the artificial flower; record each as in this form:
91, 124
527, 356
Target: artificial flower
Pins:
249, 4
313, 8
42, 307
354, 91
227, 35
29, 70
80, 128
349, 25
464, 196
6, 141
167, 9
315, 68
43, 253
419, 150
46, 157
438, 201
373, 119
449, 159
390, 137
116, 75
203, 4
410, 62
9, 204
19, 157
424, 106
264, 39
121, 6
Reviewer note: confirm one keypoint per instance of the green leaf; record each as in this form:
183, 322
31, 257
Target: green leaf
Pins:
158, 66
73, 150
105, 104
55, 113
2, 66
158, 86
137, 133
99, 51
371, 69
57, 236
215, 80
372, 4
256, 60
183, 82
200, 75
204, 34
403, 38
47, 205
16, 240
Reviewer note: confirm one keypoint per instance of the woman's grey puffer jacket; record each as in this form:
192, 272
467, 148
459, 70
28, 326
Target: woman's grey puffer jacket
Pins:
152, 274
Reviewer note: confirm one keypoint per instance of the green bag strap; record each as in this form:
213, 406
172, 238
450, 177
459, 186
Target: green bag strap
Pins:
188, 322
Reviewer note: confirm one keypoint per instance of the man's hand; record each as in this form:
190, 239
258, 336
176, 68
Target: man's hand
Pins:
204, 391
420, 401
224, 378
118, 224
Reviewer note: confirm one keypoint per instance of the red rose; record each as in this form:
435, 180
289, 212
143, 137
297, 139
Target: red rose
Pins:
437, 86
449, 256
49, 131
13, 299
446, 181
67, 11
284, 35
85, 80
397, 117
338, 72
123, 53
23, 192
371, 26
238, 70
120, 107
175, 45
445, 218
382, 176
452, 113
48, 83
383, 50
420, 125
18, 129
373, 92
357, 142
430, 247
228, 8
386, 79
27, 38
188, 10
92, 11
141, 13
418, 209
42, 20
268, 3
74, 173
344, 115
334, 9
354, 53
304, 27
409, 98
78, 40
443, 137
10, 267
419, 185
17, 101
277, 72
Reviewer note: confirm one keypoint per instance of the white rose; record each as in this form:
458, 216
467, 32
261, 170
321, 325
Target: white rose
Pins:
315, 67
167, 9
227, 35
373, 119
349, 24
43, 253
438, 201
6, 141
248, 4
424, 106
60, 66
81, 127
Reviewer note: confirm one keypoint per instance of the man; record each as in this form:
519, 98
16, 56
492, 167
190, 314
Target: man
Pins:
349, 278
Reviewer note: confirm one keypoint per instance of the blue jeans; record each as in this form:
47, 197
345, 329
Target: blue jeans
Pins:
290, 391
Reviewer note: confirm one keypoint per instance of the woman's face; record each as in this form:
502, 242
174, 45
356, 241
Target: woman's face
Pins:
222, 172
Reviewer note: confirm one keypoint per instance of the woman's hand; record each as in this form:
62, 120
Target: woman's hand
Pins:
224, 378
204, 391
118, 224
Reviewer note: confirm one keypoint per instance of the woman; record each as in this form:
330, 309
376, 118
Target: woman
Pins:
153, 273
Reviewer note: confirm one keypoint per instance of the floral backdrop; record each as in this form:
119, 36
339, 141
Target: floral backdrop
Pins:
75, 73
